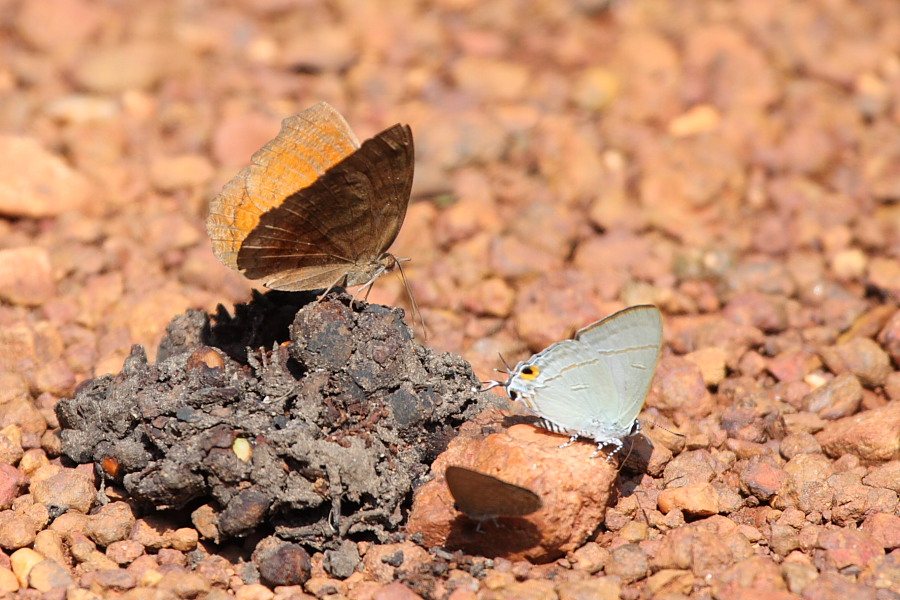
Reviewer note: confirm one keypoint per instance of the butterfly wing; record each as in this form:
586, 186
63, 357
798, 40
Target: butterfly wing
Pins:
337, 228
481, 495
629, 342
567, 384
308, 144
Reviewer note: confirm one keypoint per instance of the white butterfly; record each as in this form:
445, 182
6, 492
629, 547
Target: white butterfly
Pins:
593, 385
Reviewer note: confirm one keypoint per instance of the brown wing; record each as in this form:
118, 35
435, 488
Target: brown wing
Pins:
481, 495
308, 144
340, 224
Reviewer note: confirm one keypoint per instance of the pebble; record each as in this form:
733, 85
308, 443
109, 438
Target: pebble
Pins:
871, 435
22, 561
51, 186
68, 488
110, 523
695, 500
26, 276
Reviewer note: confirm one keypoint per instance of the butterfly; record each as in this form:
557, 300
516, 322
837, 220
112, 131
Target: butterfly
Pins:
592, 386
315, 209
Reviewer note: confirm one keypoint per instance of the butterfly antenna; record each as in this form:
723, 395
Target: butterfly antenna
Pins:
492, 383
655, 424
412, 299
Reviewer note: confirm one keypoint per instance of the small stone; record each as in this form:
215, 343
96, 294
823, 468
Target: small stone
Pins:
8, 581
67, 488
16, 530
183, 584
51, 187
848, 548
886, 475
884, 528
396, 591
798, 443
629, 562
282, 563
589, 558
838, 398
47, 575
669, 582
22, 561
183, 539
110, 523
124, 552
798, 575
11, 481
26, 276
170, 173
114, 580
697, 500
342, 562
130, 66
51, 544
870, 435
861, 356
679, 386
255, 591
712, 362
762, 477
596, 588
698, 119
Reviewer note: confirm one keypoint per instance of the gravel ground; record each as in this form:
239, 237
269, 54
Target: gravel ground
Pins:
735, 163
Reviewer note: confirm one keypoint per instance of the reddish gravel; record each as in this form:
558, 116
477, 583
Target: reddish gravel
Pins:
735, 163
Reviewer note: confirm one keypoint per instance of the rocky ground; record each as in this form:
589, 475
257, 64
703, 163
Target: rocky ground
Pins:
735, 163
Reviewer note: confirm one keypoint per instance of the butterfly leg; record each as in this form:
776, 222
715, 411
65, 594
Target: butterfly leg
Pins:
614, 441
570, 442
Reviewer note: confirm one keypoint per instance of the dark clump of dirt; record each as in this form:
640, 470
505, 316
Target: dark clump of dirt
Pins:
315, 418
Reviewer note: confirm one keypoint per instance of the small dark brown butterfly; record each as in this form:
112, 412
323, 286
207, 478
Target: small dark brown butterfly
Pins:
315, 209
482, 496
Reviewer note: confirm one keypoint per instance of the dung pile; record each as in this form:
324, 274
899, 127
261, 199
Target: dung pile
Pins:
317, 418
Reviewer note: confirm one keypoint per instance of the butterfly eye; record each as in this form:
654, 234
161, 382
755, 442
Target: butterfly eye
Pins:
513, 394
530, 372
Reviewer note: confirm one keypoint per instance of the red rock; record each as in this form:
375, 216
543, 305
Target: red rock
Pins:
705, 547
49, 574
11, 481
396, 591
282, 563
711, 362
110, 523
679, 386
26, 276
886, 475
860, 356
884, 528
574, 490
51, 187
696, 500
554, 306
838, 398
67, 488
847, 547
757, 573
871, 434
763, 477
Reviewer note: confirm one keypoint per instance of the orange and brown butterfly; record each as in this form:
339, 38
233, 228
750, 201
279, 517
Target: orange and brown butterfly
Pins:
315, 209
482, 496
